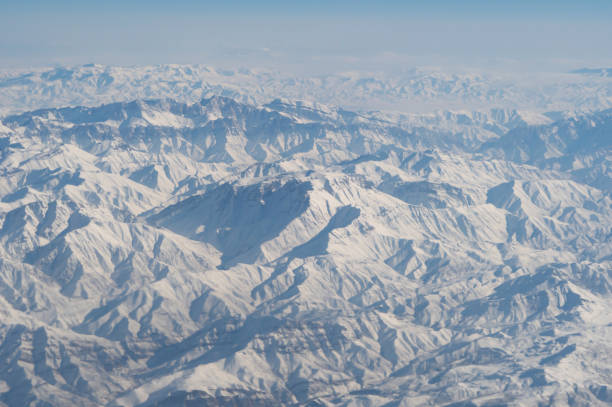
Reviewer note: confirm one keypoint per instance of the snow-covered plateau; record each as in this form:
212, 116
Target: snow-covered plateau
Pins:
184, 236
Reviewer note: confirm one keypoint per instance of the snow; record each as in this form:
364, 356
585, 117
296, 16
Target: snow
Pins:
166, 251
421, 90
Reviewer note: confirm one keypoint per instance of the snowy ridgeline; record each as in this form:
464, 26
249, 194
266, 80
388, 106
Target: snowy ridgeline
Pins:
413, 90
222, 253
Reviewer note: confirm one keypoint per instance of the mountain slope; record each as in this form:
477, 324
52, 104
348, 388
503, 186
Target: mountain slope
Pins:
162, 253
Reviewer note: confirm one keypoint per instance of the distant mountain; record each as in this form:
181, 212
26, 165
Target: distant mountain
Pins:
412, 90
217, 252
594, 71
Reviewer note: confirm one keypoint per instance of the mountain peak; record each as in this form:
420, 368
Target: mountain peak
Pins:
230, 245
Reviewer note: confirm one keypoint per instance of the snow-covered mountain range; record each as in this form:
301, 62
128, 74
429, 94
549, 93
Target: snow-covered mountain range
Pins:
411, 90
199, 249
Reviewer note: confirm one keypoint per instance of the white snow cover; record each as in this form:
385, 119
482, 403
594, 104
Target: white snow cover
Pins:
216, 252
422, 90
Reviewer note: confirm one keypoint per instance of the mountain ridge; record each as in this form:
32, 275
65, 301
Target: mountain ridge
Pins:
162, 252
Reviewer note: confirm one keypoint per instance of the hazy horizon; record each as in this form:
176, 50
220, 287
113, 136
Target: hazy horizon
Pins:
318, 37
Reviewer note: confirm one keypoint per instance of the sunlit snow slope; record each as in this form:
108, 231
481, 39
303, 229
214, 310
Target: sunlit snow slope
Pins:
163, 253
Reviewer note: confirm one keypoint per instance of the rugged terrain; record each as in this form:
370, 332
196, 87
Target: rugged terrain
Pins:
234, 252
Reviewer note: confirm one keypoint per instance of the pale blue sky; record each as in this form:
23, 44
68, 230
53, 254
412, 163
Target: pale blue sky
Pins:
310, 35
